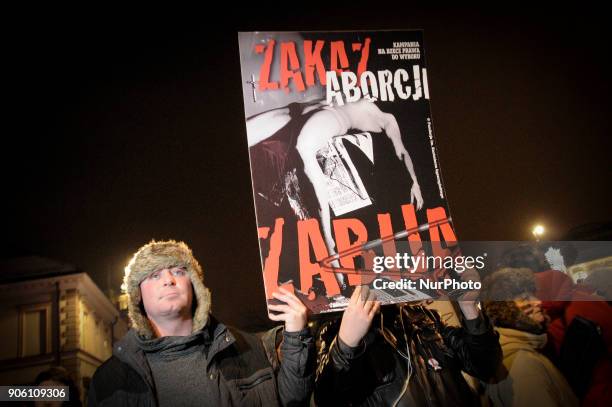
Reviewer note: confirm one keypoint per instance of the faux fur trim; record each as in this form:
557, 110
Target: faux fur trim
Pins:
506, 314
507, 283
501, 287
156, 256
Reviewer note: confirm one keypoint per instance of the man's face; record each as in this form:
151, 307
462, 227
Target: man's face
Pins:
167, 293
531, 306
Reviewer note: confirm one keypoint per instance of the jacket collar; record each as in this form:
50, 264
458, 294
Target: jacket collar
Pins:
222, 338
128, 350
513, 340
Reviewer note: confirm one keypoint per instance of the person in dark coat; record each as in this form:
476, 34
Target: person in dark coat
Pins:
404, 357
178, 354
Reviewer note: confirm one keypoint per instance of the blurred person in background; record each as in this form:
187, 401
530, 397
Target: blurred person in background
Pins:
527, 377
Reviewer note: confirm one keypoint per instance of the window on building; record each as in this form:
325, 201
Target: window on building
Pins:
9, 327
35, 330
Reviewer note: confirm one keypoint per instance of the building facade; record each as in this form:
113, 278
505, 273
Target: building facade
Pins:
53, 314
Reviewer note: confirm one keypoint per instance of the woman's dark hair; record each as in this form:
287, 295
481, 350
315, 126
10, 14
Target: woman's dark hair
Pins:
61, 375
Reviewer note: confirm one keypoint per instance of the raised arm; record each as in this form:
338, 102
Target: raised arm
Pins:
295, 378
343, 364
389, 124
366, 116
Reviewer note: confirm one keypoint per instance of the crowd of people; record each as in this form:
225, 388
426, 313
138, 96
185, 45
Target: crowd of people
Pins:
517, 352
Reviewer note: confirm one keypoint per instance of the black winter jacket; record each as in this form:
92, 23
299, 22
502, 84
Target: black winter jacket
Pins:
243, 365
376, 373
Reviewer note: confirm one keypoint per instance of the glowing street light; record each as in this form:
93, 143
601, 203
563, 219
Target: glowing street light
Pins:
538, 231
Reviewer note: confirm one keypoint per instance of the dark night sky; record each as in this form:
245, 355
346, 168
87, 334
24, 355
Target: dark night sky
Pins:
131, 128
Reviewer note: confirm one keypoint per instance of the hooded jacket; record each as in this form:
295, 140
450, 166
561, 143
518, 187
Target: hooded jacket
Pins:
526, 376
242, 370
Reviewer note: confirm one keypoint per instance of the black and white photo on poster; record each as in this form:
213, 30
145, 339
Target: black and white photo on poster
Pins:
342, 154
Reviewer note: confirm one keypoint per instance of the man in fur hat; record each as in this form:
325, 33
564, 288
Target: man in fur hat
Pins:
177, 353
526, 377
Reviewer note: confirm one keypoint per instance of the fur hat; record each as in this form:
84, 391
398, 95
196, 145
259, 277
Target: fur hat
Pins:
508, 283
499, 289
156, 256
525, 255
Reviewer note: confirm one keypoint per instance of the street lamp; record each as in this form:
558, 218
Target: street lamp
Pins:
538, 231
